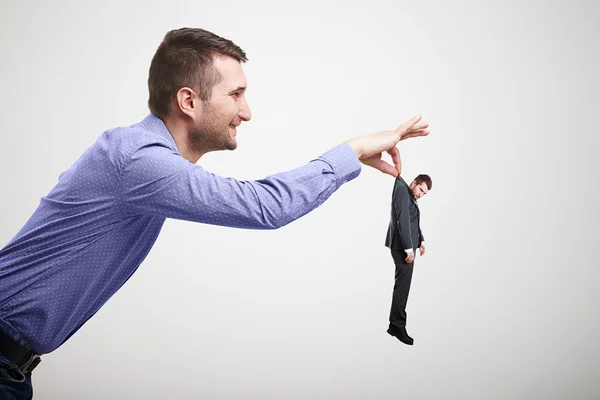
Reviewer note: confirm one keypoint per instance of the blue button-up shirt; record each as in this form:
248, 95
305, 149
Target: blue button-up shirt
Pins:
96, 226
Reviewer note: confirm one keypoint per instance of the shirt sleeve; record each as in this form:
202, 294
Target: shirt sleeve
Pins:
156, 180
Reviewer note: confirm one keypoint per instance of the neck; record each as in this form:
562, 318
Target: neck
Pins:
180, 132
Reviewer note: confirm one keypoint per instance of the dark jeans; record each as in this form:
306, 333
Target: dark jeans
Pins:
401, 288
14, 384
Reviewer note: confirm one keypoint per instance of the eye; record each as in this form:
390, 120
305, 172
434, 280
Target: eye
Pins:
236, 94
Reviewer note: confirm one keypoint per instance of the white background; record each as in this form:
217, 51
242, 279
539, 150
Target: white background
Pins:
504, 305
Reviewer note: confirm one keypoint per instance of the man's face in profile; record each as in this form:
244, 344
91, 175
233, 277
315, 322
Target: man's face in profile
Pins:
225, 111
418, 189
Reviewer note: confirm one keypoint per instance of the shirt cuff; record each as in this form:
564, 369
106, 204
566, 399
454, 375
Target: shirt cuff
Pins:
408, 250
343, 162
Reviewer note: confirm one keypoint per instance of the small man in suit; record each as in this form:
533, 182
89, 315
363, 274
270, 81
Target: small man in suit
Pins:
404, 237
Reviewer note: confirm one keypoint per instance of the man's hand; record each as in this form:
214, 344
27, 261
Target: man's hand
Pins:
422, 248
369, 148
410, 256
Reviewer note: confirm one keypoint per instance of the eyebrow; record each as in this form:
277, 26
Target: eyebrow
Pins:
238, 89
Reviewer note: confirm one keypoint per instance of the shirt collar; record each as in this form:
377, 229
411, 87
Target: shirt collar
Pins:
412, 196
156, 125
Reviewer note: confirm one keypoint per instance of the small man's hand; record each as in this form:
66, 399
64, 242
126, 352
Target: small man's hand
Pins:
369, 148
410, 256
422, 248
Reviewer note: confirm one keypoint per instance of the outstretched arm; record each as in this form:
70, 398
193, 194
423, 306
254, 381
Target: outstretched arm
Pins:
159, 182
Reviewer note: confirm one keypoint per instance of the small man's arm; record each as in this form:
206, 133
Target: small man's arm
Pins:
401, 205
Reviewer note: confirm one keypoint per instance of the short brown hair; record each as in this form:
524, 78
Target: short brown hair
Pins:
424, 178
185, 58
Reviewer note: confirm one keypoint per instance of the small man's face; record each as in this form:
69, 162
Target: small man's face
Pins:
419, 190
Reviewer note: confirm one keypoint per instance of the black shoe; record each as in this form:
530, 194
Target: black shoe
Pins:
399, 332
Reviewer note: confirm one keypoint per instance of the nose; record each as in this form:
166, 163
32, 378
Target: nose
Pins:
244, 112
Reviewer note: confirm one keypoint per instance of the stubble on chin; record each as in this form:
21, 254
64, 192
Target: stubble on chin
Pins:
206, 140
212, 134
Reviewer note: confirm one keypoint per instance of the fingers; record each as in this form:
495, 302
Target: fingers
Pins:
395, 153
412, 128
417, 133
376, 162
408, 124
420, 125
386, 168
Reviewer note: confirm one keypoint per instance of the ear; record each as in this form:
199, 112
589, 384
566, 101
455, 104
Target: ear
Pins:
188, 102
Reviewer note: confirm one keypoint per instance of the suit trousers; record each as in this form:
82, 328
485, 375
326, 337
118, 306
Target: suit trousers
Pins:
403, 278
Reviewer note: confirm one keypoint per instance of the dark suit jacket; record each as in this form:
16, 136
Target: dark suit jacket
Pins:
404, 231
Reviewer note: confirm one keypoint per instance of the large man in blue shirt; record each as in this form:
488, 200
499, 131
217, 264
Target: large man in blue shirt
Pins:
96, 226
